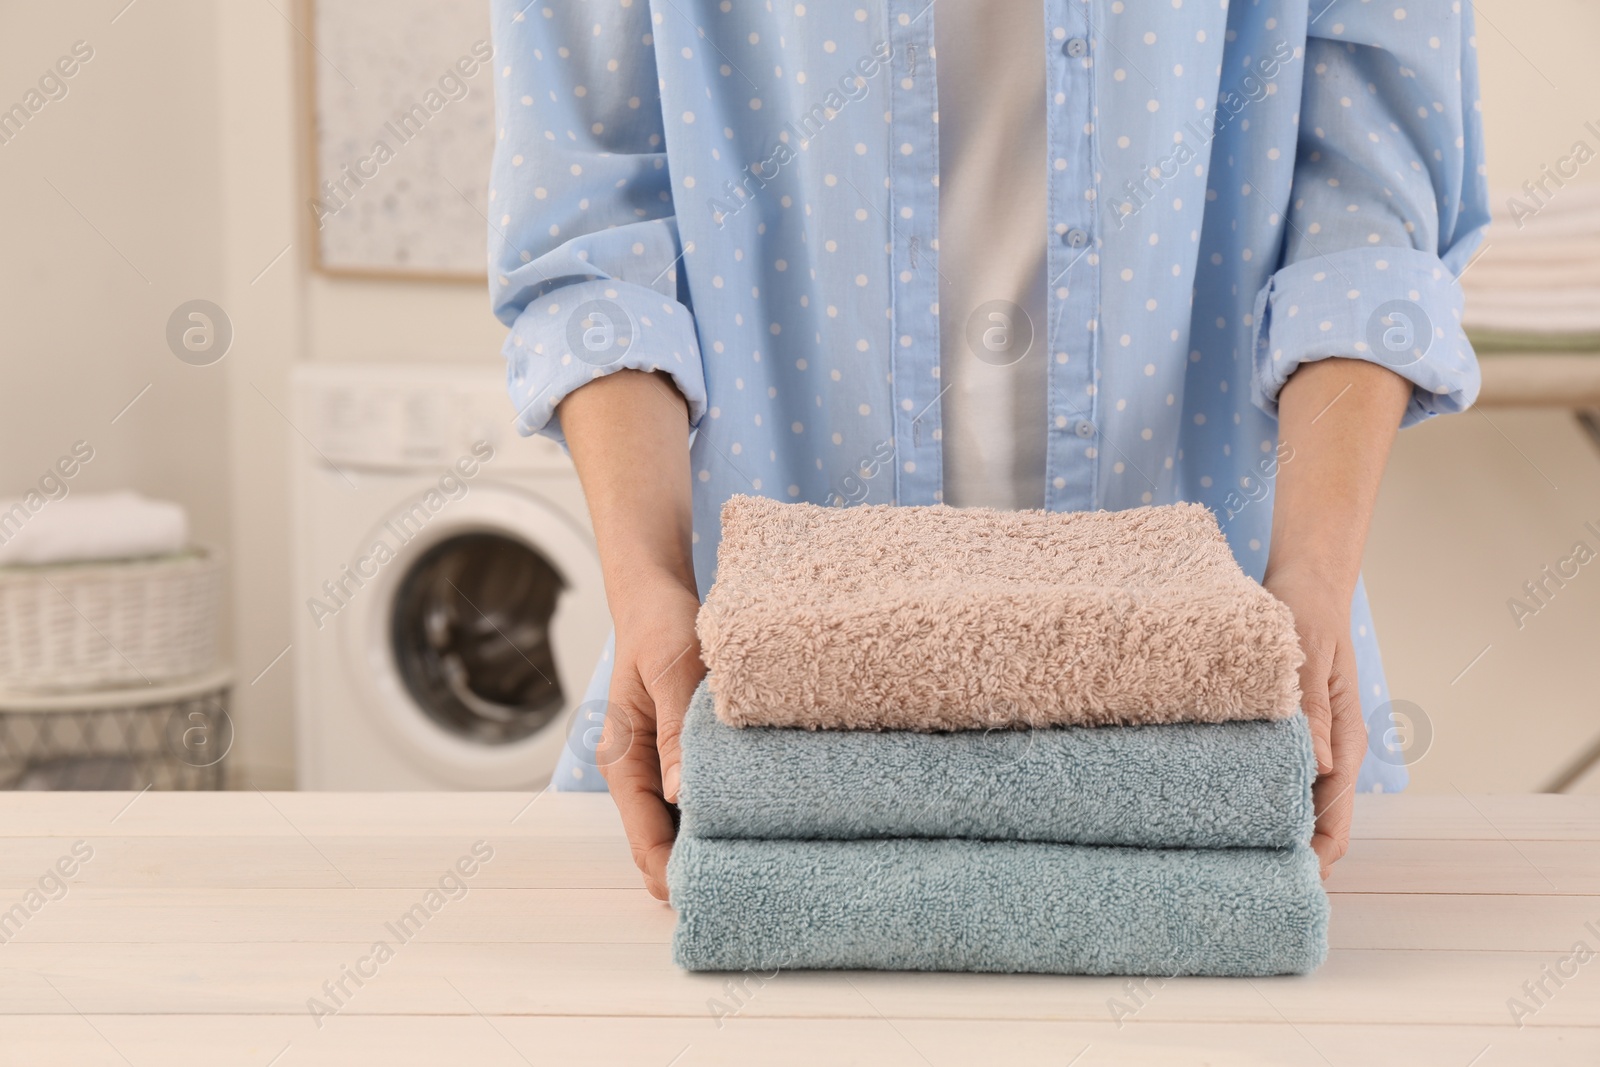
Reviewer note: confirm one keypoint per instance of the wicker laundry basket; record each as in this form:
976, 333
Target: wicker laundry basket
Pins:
174, 736
67, 627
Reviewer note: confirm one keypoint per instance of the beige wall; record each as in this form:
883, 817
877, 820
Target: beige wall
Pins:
1540, 83
1463, 521
90, 268
178, 143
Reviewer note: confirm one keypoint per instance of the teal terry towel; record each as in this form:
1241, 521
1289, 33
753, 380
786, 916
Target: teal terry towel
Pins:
1170, 785
1006, 906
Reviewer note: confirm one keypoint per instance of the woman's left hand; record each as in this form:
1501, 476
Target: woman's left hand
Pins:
1331, 699
1338, 417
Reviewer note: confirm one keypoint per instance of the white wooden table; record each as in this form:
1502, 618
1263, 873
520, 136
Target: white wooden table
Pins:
204, 924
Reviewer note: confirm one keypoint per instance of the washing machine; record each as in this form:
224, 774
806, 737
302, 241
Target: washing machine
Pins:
447, 593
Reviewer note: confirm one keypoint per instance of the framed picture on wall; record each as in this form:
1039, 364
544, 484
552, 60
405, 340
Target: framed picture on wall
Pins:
400, 127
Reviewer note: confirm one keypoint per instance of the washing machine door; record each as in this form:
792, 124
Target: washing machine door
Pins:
479, 637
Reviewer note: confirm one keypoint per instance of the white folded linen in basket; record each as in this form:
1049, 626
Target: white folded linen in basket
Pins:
89, 526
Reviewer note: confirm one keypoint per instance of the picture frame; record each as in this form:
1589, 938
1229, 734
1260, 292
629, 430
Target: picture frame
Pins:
398, 136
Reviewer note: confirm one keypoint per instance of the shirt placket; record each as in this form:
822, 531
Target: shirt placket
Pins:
1073, 446
913, 225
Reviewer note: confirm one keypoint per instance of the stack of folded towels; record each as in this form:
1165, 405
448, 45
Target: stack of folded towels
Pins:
969, 740
1535, 285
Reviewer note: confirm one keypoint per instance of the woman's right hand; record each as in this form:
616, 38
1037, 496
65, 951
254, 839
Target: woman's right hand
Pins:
629, 436
655, 672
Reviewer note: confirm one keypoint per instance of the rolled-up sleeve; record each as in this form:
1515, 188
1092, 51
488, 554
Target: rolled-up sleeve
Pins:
1387, 205
583, 245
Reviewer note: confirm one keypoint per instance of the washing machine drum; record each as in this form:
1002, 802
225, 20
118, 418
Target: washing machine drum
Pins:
471, 626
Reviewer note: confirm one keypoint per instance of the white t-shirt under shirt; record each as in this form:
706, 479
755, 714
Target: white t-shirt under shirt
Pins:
993, 334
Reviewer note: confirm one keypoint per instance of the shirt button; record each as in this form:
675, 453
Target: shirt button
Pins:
1076, 47
1077, 238
1085, 428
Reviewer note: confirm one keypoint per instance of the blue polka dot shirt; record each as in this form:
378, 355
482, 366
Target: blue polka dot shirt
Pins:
743, 194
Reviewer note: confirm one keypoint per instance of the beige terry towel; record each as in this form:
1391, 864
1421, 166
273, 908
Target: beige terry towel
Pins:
938, 618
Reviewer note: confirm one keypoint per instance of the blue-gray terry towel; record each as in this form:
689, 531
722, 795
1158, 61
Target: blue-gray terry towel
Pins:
1005, 906
1171, 785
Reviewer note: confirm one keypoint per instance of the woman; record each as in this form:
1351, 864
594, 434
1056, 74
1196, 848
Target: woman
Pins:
1060, 254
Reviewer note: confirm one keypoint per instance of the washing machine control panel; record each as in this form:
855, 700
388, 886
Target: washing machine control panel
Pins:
429, 419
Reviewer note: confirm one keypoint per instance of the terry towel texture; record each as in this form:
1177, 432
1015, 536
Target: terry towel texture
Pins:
973, 740
1193, 785
954, 905
938, 618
